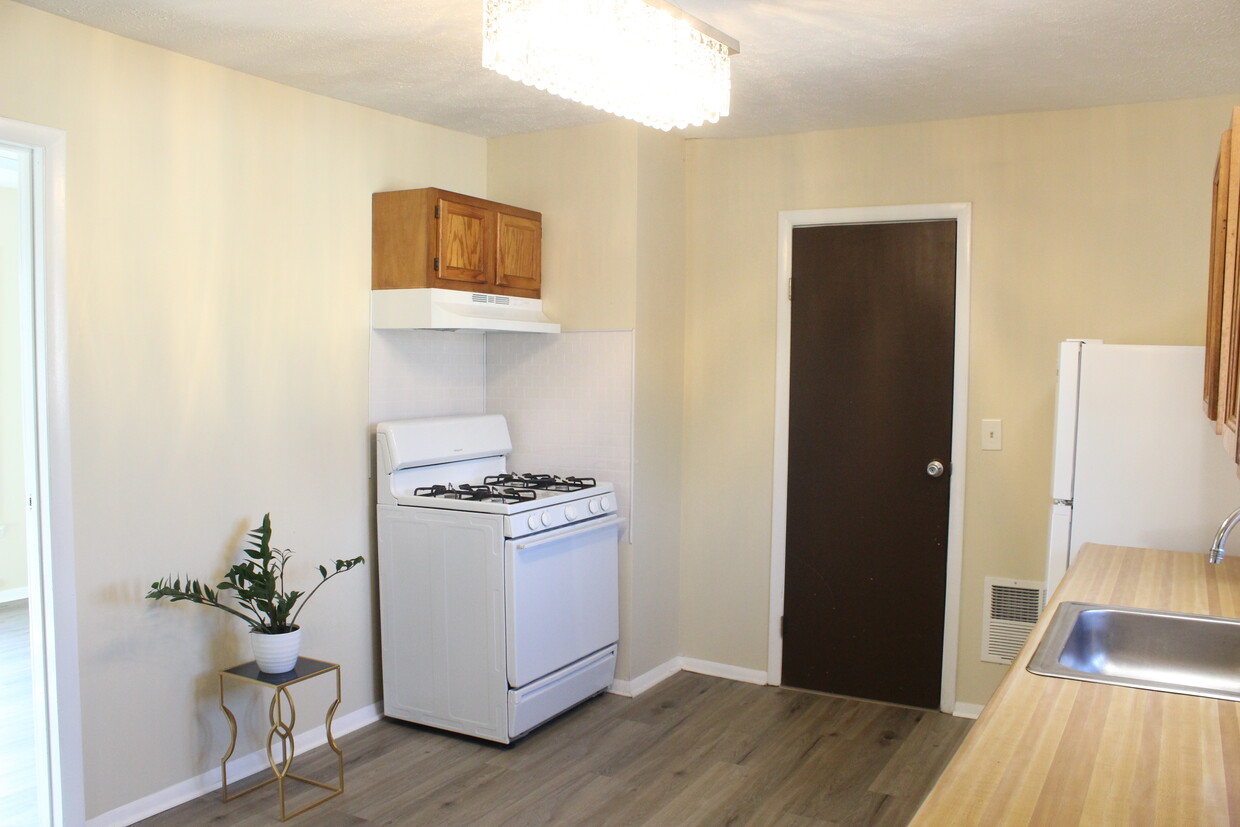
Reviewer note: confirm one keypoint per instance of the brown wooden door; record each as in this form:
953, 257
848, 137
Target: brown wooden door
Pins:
870, 405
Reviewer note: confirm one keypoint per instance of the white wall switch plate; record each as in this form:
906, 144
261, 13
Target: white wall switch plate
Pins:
992, 434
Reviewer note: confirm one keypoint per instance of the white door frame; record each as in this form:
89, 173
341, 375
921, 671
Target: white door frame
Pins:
962, 213
53, 604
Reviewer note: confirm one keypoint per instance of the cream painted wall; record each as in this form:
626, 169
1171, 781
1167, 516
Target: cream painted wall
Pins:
659, 408
1085, 223
12, 464
612, 199
584, 182
218, 278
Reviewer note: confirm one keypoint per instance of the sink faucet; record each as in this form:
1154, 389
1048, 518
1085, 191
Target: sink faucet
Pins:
1220, 539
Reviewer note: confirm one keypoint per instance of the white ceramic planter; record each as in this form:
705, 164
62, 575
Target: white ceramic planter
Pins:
276, 653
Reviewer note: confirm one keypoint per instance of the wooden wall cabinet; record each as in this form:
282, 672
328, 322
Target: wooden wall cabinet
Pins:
1222, 377
435, 238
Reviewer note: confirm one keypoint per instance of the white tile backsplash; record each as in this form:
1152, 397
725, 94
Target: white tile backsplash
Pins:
415, 373
568, 399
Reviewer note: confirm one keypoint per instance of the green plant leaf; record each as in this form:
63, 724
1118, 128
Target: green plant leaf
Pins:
256, 583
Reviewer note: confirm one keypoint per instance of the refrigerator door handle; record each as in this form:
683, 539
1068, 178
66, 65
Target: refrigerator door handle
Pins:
1061, 502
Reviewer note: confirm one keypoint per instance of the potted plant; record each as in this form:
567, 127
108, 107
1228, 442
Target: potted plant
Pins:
258, 588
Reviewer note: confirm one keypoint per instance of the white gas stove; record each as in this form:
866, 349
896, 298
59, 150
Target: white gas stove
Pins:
499, 603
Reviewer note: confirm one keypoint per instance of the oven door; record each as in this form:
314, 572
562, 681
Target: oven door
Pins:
563, 598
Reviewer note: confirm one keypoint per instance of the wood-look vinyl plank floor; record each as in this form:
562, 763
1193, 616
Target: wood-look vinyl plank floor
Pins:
694, 750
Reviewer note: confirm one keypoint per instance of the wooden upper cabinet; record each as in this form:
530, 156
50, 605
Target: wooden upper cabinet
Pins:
1222, 379
518, 262
435, 238
1214, 303
466, 249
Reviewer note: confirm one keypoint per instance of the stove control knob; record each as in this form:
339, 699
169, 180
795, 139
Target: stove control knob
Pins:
532, 522
594, 506
607, 503
570, 513
546, 518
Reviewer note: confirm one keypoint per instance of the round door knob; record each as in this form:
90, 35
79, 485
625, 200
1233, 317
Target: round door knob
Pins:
935, 468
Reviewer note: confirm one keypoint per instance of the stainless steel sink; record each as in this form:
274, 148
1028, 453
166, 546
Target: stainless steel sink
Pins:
1141, 648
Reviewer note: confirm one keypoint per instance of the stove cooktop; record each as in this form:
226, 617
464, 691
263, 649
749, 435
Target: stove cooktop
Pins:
509, 489
505, 493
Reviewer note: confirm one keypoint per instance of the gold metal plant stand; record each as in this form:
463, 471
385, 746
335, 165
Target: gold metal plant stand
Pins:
304, 670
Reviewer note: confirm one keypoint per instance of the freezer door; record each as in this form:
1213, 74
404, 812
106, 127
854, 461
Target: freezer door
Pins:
1066, 396
1058, 556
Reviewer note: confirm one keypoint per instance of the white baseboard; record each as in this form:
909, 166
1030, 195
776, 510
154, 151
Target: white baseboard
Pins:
11, 595
963, 710
724, 670
635, 687
170, 797
640, 684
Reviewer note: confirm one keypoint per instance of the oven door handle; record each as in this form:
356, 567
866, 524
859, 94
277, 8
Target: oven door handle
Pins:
559, 535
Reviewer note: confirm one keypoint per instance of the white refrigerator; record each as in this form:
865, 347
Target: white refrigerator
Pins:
1136, 461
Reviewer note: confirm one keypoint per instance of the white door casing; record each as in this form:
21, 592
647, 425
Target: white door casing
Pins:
52, 590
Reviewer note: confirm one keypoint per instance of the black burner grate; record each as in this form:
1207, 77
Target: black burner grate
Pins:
541, 482
487, 493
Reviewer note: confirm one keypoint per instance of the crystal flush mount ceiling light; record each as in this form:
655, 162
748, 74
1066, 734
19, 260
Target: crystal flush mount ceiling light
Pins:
645, 60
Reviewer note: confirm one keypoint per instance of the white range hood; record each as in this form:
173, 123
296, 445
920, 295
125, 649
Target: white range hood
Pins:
432, 308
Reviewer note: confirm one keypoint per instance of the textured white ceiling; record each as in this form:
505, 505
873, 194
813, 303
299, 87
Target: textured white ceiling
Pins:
804, 64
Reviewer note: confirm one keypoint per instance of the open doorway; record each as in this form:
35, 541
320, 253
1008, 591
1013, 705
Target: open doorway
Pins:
19, 797
42, 776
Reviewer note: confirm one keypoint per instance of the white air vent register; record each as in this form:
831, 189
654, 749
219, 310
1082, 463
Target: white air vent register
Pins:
1010, 610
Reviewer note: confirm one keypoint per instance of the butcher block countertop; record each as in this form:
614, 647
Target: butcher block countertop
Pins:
1050, 751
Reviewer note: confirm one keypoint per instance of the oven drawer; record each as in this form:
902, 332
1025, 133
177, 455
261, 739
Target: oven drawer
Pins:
530, 706
563, 602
